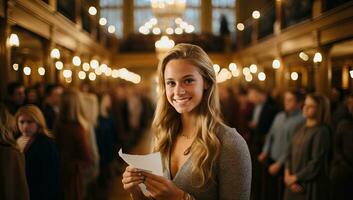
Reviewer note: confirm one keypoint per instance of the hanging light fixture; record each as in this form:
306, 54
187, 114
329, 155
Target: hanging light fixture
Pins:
163, 45
317, 57
14, 41
55, 53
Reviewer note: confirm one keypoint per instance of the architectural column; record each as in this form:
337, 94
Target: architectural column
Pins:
53, 4
4, 51
206, 16
277, 26
323, 71
318, 7
280, 74
128, 17
78, 19
48, 62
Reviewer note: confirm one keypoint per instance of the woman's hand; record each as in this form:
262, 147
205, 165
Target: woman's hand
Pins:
296, 188
161, 187
274, 168
290, 179
131, 178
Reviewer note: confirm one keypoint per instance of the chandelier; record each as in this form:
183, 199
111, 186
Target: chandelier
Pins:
167, 21
168, 8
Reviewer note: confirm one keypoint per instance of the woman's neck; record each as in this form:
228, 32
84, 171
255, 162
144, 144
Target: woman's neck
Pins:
310, 122
188, 123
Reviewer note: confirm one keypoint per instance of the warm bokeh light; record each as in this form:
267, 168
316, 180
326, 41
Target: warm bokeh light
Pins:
261, 76
59, 65
15, 66
81, 75
240, 26
276, 64
294, 76
41, 71
303, 56
92, 10
102, 21
216, 68
67, 73
111, 29
232, 66
317, 57
94, 64
27, 71
256, 14
85, 67
14, 40
248, 77
92, 76
76, 61
253, 68
55, 53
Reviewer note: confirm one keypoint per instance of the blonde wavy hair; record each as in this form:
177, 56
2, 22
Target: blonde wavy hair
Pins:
167, 121
71, 108
38, 117
7, 127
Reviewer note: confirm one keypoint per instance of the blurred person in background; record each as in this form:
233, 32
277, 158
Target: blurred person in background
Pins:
229, 106
342, 166
307, 163
51, 105
278, 138
32, 97
15, 97
107, 144
72, 132
13, 182
41, 154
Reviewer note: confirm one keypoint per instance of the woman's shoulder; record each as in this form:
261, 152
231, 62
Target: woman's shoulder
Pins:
230, 139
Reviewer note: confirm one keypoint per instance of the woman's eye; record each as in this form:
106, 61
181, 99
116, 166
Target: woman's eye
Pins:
188, 81
170, 83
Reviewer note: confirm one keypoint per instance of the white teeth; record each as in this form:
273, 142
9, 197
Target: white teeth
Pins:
181, 100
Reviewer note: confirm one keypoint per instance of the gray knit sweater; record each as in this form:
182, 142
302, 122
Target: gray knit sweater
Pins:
232, 174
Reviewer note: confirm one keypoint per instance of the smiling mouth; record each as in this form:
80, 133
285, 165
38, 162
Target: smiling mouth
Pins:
182, 100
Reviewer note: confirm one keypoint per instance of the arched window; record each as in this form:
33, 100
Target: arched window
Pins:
112, 10
192, 13
227, 8
143, 13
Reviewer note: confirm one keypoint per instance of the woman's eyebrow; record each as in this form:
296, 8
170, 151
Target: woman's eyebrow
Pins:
185, 76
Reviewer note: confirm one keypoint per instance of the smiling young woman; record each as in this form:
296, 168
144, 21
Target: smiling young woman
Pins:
202, 157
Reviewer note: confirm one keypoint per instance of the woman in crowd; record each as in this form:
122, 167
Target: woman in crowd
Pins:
306, 170
202, 157
72, 139
13, 183
40, 151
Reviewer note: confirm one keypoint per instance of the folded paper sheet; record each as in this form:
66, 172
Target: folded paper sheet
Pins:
150, 162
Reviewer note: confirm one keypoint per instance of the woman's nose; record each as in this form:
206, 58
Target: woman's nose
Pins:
179, 90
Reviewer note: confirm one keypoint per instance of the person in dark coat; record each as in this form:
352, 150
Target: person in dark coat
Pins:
342, 166
13, 183
307, 163
15, 97
75, 152
41, 154
265, 109
51, 105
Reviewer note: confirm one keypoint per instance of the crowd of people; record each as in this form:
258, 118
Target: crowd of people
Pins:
301, 143
62, 143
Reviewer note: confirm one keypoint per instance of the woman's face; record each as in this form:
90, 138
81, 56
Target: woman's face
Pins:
290, 102
27, 125
184, 85
309, 108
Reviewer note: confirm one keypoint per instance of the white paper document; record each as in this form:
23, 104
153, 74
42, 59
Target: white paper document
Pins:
150, 162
